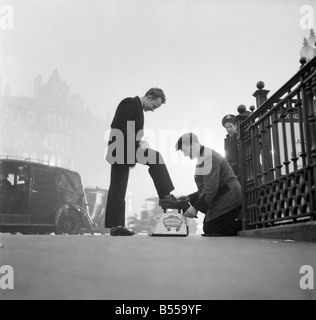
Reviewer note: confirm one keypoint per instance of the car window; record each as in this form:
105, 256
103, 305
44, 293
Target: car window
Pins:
16, 174
11, 178
14, 179
44, 179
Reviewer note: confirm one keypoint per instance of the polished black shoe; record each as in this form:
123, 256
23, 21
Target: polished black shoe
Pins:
170, 202
121, 231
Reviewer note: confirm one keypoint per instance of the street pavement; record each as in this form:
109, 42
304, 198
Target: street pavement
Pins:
155, 268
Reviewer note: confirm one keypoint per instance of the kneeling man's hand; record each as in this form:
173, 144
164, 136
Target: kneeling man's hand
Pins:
191, 212
184, 198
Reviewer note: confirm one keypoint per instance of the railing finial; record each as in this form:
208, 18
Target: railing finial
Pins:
260, 85
261, 94
241, 109
303, 61
243, 113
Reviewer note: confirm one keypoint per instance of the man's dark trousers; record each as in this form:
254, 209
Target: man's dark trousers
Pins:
115, 208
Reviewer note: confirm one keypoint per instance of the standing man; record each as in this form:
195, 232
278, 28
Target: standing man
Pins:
231, 142
219, 192
126, 148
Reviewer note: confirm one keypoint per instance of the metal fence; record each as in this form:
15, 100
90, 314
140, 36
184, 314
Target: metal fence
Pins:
278, 153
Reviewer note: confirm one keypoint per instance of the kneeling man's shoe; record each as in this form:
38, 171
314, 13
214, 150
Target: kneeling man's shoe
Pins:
121, 231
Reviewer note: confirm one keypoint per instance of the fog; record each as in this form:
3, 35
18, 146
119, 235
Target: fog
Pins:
206, 55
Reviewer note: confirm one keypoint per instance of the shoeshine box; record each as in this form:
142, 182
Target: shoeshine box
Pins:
171, 224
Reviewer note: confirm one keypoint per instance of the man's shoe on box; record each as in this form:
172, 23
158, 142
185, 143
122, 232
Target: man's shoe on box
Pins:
170, 202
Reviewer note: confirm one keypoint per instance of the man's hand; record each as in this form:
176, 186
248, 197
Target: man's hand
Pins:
191, 212
184, 198
144, 145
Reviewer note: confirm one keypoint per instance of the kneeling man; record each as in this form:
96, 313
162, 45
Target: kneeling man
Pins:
219, 192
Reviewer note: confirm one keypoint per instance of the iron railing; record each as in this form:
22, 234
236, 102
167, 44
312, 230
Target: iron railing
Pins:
278, 153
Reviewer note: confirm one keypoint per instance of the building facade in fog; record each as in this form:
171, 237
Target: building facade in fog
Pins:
55, 127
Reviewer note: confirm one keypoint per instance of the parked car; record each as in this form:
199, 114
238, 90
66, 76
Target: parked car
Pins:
97, 198
38, 198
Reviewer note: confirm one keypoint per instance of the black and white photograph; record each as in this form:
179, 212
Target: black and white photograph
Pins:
157, 154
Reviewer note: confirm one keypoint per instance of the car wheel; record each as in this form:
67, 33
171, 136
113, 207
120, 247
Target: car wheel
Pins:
68, 223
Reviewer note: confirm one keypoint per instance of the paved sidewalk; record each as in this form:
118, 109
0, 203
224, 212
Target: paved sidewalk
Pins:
143, 267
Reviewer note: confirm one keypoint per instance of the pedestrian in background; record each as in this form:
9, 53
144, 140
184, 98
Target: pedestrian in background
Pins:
231, 143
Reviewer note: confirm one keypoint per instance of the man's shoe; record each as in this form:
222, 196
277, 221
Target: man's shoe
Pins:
121, 231
170, 202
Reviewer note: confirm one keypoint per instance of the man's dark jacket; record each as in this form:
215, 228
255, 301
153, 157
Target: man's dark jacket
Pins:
129, 119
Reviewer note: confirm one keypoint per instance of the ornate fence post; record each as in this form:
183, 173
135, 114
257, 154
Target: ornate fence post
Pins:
311, 124
311, 93
244, 159
261, 96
